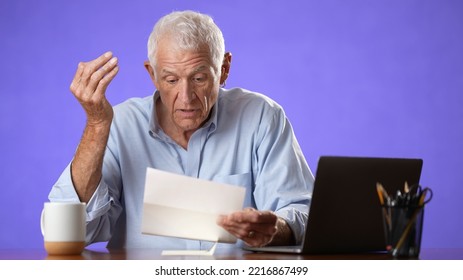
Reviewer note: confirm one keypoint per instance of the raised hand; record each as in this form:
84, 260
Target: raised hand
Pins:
89, 87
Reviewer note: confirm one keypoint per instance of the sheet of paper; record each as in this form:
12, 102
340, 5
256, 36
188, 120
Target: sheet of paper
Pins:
180, 206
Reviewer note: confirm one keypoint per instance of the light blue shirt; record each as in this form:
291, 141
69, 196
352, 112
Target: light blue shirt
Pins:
247, 141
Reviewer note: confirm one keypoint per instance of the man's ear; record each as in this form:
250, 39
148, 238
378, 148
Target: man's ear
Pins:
150, 70
225, 70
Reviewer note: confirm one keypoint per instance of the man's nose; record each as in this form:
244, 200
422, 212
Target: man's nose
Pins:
186, 92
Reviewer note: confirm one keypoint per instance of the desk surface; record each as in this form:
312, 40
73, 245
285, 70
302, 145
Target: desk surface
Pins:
233, 254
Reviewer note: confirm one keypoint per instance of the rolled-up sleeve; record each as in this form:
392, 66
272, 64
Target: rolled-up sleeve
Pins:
284, 183
104, 207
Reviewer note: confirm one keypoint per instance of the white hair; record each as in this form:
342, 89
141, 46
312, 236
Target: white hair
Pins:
191, 31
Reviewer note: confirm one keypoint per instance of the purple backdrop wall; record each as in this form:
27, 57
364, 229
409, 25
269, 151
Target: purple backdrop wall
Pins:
371, 78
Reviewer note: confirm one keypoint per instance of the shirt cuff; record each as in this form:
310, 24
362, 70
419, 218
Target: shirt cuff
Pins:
100, 202
296, 220
64, 191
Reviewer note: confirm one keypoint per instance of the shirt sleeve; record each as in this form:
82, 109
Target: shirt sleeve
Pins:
104, 207
284, 181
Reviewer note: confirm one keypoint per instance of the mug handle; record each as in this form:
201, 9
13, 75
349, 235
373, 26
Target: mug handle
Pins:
42, 222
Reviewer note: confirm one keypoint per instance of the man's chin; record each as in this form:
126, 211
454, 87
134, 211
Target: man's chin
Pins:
189, 125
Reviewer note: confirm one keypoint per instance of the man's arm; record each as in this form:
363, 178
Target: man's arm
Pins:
89, 87
283, 184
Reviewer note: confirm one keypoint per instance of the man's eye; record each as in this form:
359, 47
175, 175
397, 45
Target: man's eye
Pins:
199, 78
171, 81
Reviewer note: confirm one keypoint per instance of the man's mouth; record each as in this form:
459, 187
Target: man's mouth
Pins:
187, 113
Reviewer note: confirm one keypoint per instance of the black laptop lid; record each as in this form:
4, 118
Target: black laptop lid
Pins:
345, 214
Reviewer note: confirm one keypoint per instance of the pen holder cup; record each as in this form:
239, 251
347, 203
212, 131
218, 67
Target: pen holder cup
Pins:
403, 226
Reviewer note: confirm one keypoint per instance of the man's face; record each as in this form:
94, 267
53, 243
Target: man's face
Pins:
188, 87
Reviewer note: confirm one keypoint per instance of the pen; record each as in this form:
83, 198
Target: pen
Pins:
382, 194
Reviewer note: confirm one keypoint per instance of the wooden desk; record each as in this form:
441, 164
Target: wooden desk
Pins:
234, 254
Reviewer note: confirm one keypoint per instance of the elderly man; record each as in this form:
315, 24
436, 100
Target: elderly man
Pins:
189, 126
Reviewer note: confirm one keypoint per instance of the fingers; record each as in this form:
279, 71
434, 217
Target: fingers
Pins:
251, 215
89, 86
107, 78
85, 69
77, 77
93, 77
92, 67
252, 237
256, 228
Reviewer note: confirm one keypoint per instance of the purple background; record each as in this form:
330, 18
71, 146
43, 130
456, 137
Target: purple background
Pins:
370, 78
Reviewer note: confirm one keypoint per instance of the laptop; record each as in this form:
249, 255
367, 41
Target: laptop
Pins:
345, 213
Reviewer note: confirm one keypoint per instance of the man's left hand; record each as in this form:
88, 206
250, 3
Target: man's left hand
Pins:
255, 228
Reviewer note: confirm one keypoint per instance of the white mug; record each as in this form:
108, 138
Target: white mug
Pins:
63, 227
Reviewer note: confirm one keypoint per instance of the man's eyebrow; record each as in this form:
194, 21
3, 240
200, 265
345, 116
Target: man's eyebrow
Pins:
199, 69
167, 72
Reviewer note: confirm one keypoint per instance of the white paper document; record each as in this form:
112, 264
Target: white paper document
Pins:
180, 206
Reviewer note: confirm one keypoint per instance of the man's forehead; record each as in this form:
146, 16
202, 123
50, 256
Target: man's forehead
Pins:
181, 60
